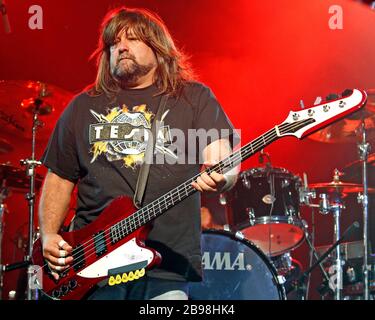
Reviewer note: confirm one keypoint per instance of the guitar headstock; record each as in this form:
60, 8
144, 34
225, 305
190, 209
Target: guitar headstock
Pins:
304, 122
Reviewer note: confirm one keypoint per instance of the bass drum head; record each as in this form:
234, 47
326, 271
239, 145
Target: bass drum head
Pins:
234, 269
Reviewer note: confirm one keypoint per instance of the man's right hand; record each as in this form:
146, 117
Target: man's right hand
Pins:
57, 252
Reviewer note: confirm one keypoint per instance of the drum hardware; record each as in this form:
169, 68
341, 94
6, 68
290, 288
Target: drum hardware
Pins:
358, 126
239, 235
306, 196
333, 285
4, 192
38, 107
12, 176
337, 189
290, 218
352, 254
23, 104
264, 206
305, 193
250, 212
226, 227
282, 263
288, 270
336, 207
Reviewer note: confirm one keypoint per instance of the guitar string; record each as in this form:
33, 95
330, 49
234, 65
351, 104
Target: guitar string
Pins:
88, 247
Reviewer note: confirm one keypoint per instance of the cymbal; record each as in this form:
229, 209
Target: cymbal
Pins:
20, 99
339, 187
5, 146
349, 129
358, 163
16, 177
353, 170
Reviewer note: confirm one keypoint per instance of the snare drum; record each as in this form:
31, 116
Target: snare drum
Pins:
264, 205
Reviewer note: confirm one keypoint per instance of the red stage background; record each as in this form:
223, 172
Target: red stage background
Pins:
259, 57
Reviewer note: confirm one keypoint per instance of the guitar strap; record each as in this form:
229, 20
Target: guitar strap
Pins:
145, 167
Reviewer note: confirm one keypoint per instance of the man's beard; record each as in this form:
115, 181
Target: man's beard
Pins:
130, 74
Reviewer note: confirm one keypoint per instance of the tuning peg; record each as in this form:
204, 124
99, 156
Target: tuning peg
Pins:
318, 100
332, 96
346, 93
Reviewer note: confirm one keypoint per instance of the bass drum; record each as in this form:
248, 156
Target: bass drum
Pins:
234, 269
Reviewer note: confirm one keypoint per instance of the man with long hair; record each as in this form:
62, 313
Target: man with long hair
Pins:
97, 146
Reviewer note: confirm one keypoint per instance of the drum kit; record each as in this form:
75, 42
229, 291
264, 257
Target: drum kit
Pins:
28, 113
252, 257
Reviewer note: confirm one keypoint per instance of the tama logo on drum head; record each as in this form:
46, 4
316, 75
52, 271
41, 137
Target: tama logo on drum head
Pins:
224, 261
268, 199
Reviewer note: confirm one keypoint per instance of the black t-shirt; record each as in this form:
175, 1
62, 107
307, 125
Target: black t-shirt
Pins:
95, 145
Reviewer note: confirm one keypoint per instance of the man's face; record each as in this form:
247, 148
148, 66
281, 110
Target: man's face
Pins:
131, 60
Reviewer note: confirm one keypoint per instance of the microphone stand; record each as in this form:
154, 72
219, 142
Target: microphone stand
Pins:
346, 234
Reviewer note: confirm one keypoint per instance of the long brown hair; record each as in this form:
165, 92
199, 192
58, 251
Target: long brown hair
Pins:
173, 69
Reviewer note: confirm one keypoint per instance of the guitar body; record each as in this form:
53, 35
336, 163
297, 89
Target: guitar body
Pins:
98, 253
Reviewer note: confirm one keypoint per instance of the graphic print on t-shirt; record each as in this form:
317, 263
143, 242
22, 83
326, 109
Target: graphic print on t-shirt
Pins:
123, 134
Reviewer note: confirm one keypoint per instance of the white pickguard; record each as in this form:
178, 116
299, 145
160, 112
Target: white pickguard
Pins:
126, 254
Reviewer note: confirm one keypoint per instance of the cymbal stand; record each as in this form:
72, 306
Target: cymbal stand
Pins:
364, 149
326, 207
30, 165
306, 196
336, 208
